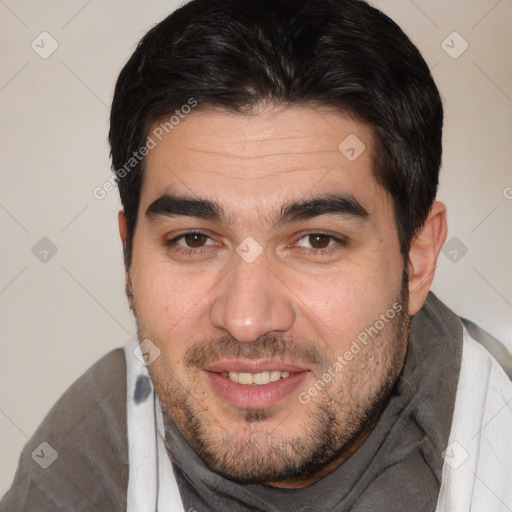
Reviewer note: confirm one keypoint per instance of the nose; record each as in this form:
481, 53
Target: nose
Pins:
252, 301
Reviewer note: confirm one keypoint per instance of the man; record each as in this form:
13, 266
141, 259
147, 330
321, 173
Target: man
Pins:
278, 162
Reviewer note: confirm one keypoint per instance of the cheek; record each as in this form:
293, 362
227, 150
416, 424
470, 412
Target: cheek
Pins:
341, 306
156, 293
170, 303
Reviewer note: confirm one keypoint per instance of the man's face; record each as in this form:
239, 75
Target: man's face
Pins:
283, 274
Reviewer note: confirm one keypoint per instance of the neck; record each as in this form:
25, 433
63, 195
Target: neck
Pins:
350, 448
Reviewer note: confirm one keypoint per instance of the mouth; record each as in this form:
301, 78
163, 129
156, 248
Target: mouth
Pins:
256, 379
254, 384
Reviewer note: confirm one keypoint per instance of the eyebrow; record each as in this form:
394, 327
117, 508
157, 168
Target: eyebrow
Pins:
341, 205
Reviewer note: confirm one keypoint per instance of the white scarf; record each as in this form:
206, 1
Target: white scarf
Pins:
477, 472
152, 485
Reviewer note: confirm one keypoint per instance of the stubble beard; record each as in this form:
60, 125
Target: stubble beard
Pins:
257, 447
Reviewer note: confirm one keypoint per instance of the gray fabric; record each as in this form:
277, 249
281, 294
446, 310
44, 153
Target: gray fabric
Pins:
398, 467
87, 429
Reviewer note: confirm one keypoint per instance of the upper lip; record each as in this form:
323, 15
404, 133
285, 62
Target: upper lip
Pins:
253, 366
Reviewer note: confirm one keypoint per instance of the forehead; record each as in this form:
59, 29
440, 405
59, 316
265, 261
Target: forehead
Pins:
261, 160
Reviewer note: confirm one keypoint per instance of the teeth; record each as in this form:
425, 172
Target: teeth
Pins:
275, 375
258, 379
244, 378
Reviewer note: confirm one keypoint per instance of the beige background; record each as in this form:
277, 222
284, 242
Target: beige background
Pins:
59, 316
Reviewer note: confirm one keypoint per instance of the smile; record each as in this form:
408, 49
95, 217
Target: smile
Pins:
256, 379
254, 384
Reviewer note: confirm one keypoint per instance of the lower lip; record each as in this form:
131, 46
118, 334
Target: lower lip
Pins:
255, 396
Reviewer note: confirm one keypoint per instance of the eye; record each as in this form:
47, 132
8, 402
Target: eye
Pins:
196, 243
320, 244
317, 240
194, 239
190, 242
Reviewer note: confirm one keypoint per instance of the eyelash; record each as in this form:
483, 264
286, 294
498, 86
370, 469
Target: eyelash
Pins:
319, 253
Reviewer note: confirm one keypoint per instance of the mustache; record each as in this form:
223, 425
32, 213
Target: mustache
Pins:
265, 347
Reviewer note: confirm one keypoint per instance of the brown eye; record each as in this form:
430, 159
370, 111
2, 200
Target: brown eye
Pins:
319, 241
321, 244
191, 243
195, 239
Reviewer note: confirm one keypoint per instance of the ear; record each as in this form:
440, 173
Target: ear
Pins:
425, 248
121, 218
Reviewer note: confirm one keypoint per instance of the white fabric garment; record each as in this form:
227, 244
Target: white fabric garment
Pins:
477, 472
152, 486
